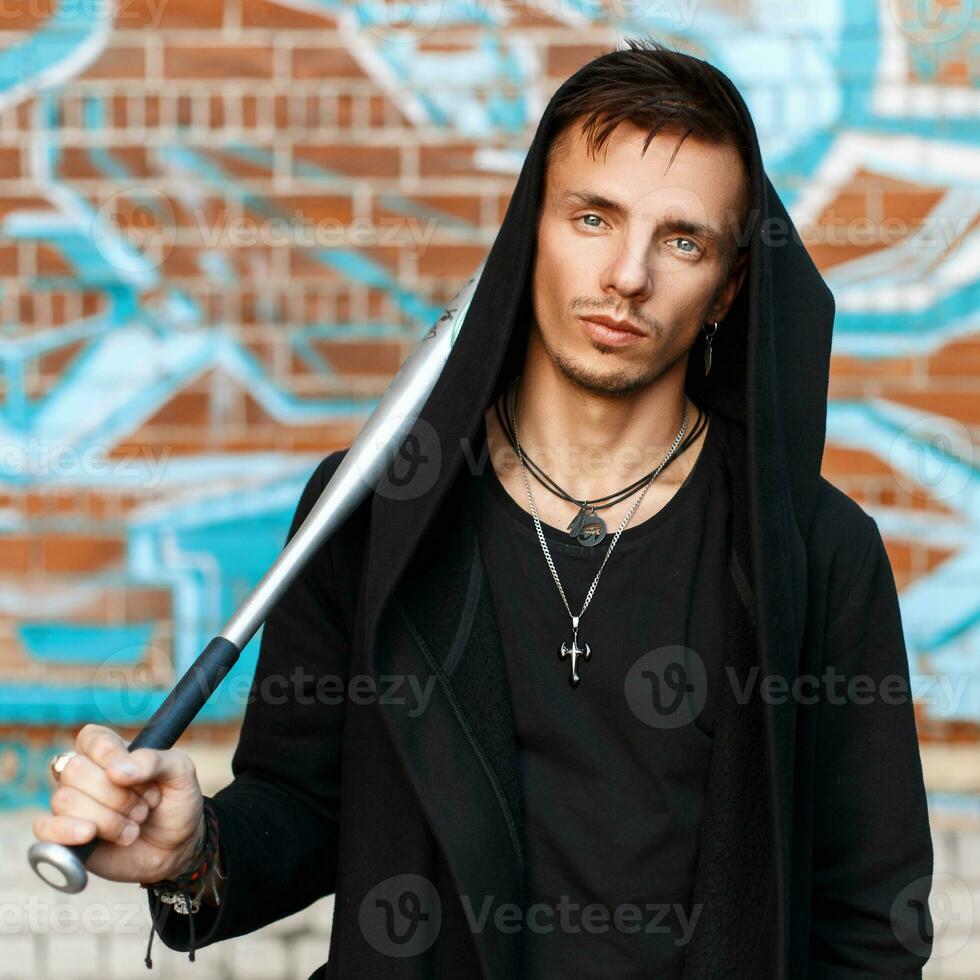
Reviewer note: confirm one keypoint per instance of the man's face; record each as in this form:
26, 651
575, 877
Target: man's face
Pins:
624, 237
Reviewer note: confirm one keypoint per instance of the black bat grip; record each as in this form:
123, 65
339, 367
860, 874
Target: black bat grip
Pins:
168, 722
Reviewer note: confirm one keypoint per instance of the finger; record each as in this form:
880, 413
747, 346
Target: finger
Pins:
134, 769
66, 801
63, 830
99, 743
152, 795
171, 767
104, 747
89, 777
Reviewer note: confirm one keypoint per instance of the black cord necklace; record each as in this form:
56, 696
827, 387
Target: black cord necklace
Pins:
587, 527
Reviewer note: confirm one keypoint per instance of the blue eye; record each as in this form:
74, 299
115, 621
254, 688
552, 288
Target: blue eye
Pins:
697, 248
590, 215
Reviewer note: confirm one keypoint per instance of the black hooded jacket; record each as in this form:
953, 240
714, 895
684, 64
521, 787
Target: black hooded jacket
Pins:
814, 849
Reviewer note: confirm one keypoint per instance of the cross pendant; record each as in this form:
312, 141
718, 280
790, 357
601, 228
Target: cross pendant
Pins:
575, 652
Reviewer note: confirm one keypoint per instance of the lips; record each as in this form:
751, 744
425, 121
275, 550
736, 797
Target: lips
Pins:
623, 325
600, 331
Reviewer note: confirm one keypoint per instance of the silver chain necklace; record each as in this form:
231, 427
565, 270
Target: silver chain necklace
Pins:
575, 651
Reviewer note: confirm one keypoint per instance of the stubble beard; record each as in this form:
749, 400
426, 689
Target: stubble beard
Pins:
619, 382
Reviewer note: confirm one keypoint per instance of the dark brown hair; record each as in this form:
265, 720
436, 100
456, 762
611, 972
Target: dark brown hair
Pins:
654, 87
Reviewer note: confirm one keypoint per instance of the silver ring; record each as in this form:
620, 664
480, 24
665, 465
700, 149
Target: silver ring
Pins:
59, 762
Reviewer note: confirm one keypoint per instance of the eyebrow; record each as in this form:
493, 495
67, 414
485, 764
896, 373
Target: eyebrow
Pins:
682, 225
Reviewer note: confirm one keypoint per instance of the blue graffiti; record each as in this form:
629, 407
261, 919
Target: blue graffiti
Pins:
828, 104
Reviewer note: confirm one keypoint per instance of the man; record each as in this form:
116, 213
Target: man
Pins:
590, 628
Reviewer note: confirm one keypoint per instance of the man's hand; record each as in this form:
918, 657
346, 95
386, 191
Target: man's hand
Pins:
146, 806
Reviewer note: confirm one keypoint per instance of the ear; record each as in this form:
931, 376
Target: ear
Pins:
729, 290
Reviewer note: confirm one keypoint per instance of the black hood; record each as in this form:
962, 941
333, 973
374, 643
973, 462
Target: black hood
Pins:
769, 373
769, 379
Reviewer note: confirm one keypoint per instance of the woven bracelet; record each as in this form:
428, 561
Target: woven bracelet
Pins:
179, 891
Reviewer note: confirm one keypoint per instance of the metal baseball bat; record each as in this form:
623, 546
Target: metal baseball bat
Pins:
63, 867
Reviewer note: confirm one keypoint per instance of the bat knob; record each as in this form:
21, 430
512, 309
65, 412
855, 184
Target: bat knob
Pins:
58, 866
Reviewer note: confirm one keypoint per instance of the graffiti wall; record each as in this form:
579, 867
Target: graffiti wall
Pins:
224, 225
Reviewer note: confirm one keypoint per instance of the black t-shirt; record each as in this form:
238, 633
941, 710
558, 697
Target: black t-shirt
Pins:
614, 769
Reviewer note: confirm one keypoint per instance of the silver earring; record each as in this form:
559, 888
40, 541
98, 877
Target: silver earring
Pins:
707, 346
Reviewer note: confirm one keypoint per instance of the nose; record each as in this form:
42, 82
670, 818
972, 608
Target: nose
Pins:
628, 273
